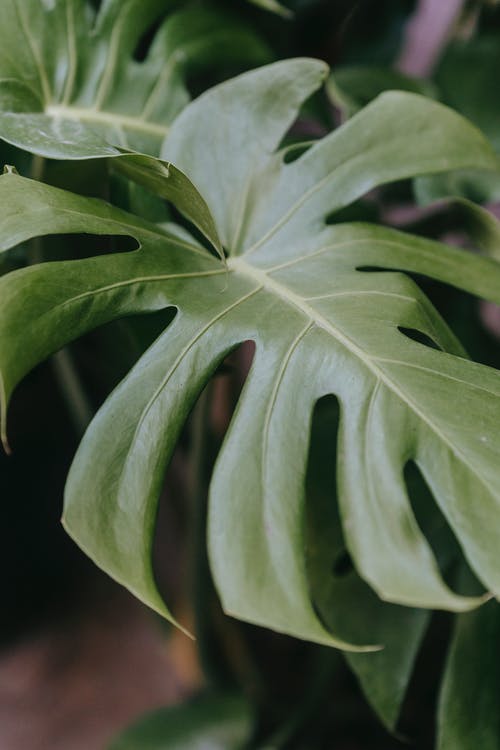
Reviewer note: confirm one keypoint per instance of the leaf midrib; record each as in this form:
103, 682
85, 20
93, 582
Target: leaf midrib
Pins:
95, 116
266, 282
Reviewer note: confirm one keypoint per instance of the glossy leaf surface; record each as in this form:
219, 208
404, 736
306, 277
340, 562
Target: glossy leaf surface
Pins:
70, 86
323, 322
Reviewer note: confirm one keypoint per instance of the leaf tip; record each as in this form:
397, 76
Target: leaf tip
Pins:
3, 418
9, 169
5, 439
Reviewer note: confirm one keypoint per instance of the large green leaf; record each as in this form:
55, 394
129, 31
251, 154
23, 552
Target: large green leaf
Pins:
71, 88
469, 717
323, 323
211, 722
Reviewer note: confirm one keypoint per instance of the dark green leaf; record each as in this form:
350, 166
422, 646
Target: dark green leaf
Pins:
466, 79
207, 723
274, 6
469, 715
352, 87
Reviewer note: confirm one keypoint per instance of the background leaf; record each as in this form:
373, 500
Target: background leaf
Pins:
211, 721
76, 89
468, 712
353, 87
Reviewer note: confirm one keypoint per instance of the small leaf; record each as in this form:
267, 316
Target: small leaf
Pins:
165, 180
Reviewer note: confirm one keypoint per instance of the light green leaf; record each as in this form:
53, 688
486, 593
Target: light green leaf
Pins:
211, 722
69, 84
165, 180
323, 323
352, 87
468, 712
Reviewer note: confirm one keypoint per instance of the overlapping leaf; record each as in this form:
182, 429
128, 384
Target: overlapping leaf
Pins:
468, 713
70, 86
323, 322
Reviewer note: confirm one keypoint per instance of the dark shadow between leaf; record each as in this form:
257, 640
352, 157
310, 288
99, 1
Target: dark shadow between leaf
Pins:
61, 247
433, 524
143, 46
420, 337
343, 564
180, 529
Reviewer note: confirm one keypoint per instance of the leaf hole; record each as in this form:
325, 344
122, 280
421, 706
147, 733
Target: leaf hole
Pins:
144, 44
182, 509
342, 565
326, 552
450, 559
362, 210
420, 337
294, 151
82, 246
377, 269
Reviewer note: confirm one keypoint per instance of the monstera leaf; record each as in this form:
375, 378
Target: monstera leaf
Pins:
330, 310
69, 82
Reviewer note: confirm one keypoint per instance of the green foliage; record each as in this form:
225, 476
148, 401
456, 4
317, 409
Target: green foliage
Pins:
69, 83
289, 269
352, 87
211, 721
469, 702
266, 254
